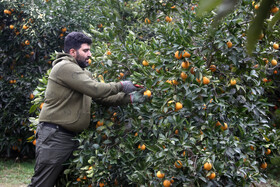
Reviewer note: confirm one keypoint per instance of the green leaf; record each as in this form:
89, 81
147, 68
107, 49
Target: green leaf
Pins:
257, 24
274, 20
207, 5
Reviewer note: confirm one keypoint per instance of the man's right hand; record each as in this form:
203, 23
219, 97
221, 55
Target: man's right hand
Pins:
128, 87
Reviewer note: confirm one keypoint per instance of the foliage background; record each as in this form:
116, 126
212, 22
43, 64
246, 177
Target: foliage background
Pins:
109, 153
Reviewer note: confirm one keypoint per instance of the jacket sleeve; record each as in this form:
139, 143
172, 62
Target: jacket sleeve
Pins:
114, 100
72, 76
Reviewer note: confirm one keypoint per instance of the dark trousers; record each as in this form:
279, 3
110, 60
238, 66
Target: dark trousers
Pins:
53, 148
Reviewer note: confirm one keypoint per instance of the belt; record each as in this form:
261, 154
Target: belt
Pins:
60, 128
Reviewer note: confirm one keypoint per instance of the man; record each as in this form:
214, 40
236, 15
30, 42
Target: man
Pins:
66, 110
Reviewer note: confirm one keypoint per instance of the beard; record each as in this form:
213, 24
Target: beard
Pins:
82, 61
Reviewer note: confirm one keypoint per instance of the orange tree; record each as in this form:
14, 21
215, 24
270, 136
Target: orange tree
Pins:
29, 32
209, 121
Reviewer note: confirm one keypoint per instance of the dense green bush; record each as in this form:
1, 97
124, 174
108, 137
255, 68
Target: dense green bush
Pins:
113, 153
178, 142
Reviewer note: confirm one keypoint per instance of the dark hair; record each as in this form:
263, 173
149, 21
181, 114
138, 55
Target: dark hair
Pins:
74, 40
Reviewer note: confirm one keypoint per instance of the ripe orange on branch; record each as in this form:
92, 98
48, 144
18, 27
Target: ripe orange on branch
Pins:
185, 65
166, 183
205, 80
264, 165
207, 166
232, 82
178, 106
148, 93
177, 55
145, 63
213, 68
178, 164
224, 127
160, 175
273, 62
212, 175
186, 54
229, 44
275, 46
184, 76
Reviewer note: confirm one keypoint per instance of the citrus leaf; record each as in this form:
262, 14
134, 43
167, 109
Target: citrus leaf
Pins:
257, 24
207, 5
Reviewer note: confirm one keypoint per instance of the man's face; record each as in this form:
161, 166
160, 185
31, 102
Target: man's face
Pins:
82, 55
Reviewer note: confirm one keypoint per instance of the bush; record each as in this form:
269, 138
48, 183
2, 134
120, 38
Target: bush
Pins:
225, 119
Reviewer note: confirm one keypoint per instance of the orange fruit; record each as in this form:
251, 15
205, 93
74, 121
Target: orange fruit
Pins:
166, 183
24, 27
34, 142
136, 134
186, 54
176, 131
268, 151
173, 7
264, 165
177, 55
26, 42
145, 63
64, 29
185, 65
168, 19
256, 7
184, 75
224, 127
41, 106
143, 147
78, 179
218, 124
275, 71
31, 96
101, 184
213, 68
275, 46
148, 93
273, 62
109, 53
212, 175
160, 175
232, 82
100, 25
274, 9
205, 80
192, 70
229, 44
178, 164
99, 123
12, 27
264, 80
178, 106
147, 21
207, 166
89, 61
252, 148
121, 74
204, 107
175, 82
261, 36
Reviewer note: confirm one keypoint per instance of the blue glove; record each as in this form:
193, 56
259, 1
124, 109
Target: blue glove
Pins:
139, 97
128, 87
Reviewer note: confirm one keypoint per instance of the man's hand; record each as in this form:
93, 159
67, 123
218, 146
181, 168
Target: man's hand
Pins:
139, 97
128, 87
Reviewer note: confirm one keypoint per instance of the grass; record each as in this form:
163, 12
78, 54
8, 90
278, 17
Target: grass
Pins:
15, 173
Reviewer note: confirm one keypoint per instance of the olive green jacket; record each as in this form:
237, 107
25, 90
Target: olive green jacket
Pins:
70, 91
